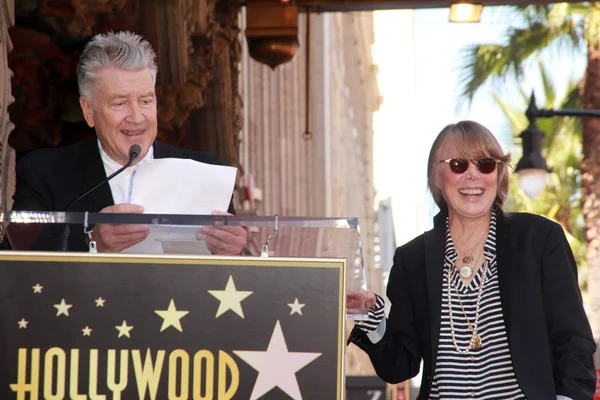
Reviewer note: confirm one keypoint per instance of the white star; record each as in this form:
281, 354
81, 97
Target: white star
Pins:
171, 317
99, 302
63, 308
230, 298
296, 307
87, 331
124, 329
37, 288
23, 323
276, 366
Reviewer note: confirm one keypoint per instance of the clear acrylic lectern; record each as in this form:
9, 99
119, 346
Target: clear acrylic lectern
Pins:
268, 236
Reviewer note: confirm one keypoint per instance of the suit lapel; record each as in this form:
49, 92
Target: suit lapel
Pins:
505, 273
161, 150
92, 173
434, 272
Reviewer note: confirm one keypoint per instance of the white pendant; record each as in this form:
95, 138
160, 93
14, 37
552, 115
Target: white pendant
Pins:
465, 271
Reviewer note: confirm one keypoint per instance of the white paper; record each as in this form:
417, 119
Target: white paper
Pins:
178, 186
181, 186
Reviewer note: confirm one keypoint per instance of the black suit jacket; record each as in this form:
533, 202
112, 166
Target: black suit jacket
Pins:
50, 179
549, 336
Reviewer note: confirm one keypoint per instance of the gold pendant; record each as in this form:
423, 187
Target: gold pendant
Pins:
475, 342
467, 259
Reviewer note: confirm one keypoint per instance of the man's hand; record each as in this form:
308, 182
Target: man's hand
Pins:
111, 238
224, 240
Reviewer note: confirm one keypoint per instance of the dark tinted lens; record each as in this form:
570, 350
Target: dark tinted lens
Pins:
459, 165
486, 165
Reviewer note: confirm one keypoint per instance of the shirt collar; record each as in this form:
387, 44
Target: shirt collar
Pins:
112, 166
489, 243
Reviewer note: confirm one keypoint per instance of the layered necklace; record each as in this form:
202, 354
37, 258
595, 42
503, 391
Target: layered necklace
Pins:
475, 342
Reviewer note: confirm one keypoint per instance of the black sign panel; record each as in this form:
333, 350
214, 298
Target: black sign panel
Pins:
101, 327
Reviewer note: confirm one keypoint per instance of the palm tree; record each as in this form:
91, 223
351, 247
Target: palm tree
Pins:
568, 25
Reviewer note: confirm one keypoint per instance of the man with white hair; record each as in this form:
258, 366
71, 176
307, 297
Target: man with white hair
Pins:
116, 75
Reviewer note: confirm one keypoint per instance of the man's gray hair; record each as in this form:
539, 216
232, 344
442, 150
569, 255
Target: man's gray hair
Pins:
121, 50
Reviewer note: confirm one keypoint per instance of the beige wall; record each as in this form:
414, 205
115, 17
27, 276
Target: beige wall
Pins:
330, 174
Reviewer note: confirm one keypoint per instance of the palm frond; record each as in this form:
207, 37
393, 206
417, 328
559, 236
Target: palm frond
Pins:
591, 26
482, 63
486, 62
549, 92
515, 116
572, 97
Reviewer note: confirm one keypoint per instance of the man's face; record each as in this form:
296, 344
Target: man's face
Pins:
122, 109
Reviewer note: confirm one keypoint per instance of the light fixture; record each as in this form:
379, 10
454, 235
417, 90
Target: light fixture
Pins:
532, 167
272, 31
465, 12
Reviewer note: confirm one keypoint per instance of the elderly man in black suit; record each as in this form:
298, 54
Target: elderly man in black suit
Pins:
116, 75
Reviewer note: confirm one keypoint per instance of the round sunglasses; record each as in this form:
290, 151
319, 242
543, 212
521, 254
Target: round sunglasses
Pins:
485, 165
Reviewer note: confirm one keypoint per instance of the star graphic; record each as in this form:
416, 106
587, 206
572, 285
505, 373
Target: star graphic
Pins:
37, 288
124, 329
171, 317
296, 307
99, 302
276, 366
23, 323
63, 308
230, 298
87, 331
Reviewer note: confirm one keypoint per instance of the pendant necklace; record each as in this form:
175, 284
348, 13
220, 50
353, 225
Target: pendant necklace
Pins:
466, 270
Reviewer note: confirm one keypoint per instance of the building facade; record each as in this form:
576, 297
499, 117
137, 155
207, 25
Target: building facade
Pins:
315, 157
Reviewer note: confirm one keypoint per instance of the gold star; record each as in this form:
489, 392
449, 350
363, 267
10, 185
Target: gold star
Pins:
100, 302
296, 307
171, 317
124, 329
63, 308
87, 331
230, 298
22, 323
37, 288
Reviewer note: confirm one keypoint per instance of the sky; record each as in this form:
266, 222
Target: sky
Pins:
418, 54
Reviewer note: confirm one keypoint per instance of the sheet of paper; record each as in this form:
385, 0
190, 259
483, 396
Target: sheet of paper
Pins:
179, 186
170, 240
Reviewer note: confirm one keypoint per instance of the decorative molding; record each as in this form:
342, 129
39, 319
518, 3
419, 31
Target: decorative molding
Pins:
7, 19
199, 53
183, 35
78, 19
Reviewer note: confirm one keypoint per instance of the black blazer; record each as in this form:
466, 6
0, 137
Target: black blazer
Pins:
50, 179
549, 336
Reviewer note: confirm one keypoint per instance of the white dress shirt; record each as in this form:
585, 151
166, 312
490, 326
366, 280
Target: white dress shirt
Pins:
120, 185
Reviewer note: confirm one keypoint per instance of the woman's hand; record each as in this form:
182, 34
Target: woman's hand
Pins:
356, 300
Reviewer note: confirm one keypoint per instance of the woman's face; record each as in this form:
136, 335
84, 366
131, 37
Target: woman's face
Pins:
469, 194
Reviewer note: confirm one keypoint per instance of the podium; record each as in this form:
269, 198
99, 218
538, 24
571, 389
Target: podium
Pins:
175, 322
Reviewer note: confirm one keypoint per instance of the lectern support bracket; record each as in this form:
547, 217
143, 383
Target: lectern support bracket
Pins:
265, 249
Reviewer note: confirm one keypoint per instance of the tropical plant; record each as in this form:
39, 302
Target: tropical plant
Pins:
574, 26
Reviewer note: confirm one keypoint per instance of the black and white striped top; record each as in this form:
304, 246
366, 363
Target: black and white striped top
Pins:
486, 373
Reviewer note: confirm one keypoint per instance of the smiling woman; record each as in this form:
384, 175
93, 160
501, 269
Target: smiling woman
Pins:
478, 281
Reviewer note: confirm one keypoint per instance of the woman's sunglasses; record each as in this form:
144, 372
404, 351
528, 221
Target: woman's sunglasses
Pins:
485, 165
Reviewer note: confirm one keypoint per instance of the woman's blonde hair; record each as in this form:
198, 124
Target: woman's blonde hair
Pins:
472, 141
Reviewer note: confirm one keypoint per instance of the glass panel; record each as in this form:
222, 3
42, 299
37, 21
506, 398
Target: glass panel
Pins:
177, 234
